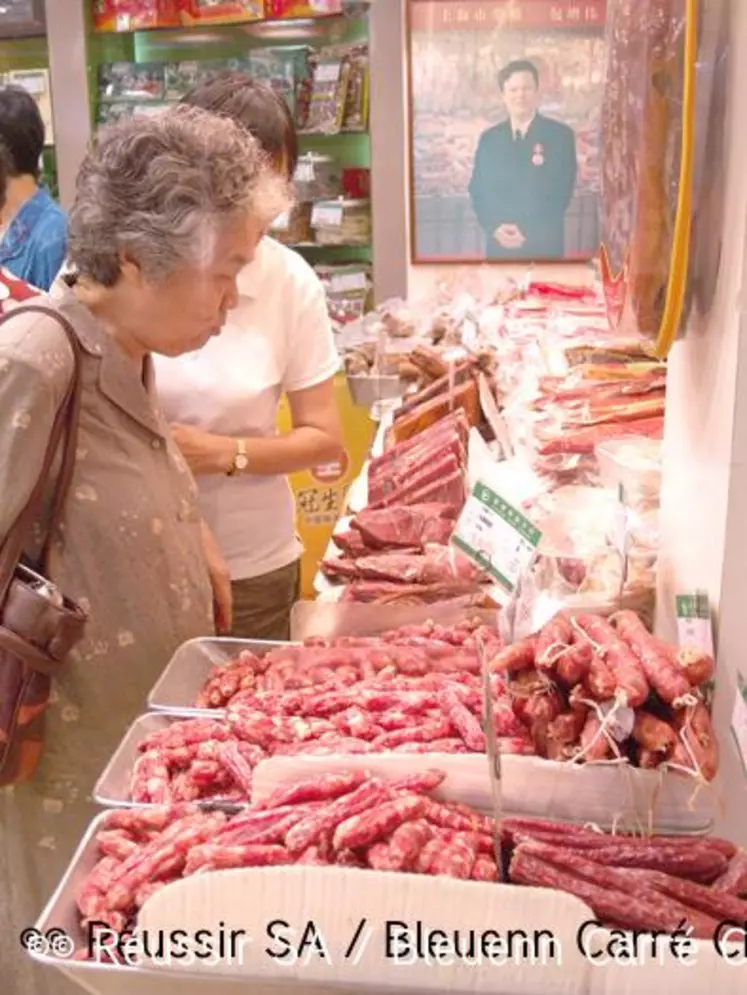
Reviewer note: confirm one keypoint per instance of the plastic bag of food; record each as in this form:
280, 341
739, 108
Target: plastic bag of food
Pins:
633, 468
647, 162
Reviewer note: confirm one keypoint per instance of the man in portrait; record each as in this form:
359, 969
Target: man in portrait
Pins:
524, 173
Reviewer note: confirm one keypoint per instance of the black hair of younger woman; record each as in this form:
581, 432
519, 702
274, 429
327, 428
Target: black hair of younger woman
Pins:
254, 105
21, 131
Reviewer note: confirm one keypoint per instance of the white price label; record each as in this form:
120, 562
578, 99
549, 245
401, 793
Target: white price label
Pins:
739, 720
694, 629
281, 222
326, 216
496, 536
342, 282
328, 72
304, 172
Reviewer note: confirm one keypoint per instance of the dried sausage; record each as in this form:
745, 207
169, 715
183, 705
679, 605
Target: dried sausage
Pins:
696, 731
368, 827
653, 734
551, 640
734, 879
631, 684
665, 678
643, 908
323, 788
515, 658
406, 843
310, 829
463, 720
609, 904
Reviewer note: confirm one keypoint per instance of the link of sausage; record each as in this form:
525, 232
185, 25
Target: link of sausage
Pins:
368, 827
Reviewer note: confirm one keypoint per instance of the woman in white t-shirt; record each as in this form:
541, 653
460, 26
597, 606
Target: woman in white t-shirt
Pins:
222, 401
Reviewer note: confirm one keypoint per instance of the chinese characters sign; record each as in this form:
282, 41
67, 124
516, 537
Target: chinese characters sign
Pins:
320, 505
516, 14
496, 536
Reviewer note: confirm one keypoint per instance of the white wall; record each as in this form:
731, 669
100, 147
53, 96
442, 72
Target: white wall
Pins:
704, 500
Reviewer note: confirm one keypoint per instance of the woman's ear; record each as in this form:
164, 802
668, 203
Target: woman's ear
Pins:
129, 270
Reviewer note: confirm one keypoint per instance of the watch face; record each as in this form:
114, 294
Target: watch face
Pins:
242, 462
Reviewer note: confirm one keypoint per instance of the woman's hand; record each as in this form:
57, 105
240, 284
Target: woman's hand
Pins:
220, 578
205, 453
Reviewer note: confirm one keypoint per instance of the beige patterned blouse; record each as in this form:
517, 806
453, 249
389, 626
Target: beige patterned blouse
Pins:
130, 552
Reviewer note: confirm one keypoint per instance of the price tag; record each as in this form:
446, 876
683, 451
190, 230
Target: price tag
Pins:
326, 216
342, 282
328, 72
694, 629
304, 171
281, 222
620, 726
739, 720
496, 536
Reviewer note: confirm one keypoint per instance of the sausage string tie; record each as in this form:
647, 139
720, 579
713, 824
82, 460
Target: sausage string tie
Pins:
549, 660
600, 650
606, 721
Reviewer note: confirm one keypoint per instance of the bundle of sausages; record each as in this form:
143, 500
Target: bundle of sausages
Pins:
214, 759
348, 819
596, 689
643, 883
352, 819
410, 651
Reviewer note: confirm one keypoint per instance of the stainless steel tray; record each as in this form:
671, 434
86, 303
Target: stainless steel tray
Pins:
179, 685
61, 913
367, 391
112, 788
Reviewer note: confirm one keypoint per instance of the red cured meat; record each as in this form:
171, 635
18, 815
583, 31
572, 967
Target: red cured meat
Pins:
413, 525
438, 465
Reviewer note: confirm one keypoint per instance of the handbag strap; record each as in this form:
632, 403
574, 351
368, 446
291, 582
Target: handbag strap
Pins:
65, 424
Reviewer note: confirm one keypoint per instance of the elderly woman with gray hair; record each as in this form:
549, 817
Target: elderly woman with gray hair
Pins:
168, 211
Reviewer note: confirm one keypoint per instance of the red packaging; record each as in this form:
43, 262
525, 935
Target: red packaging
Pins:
201, 12
302, 8
356, 183
135, 15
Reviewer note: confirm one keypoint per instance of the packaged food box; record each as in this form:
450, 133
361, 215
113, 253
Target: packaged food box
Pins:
201, 12
302, 8
135, 15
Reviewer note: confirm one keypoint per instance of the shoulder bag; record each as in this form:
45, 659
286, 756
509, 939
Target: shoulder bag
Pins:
38, 625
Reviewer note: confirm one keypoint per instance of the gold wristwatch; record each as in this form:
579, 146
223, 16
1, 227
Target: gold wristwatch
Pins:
240, 460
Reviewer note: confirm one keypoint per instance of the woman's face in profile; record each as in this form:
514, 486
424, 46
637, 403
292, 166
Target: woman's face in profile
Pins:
181, 313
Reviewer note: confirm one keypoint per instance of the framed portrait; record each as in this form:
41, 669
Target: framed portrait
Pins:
22, 19
505, 99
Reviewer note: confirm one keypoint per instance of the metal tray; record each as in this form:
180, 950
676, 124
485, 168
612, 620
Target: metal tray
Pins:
367, 391
112, 788
178, 686
61, 913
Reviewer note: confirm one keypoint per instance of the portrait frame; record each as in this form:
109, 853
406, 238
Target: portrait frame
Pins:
456, 50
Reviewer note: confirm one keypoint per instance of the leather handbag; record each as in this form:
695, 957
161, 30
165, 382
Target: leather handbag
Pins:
38, 625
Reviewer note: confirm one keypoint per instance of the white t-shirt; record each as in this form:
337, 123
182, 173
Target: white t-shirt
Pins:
279, 339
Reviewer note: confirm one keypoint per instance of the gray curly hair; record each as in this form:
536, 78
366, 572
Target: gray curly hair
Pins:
159, 189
